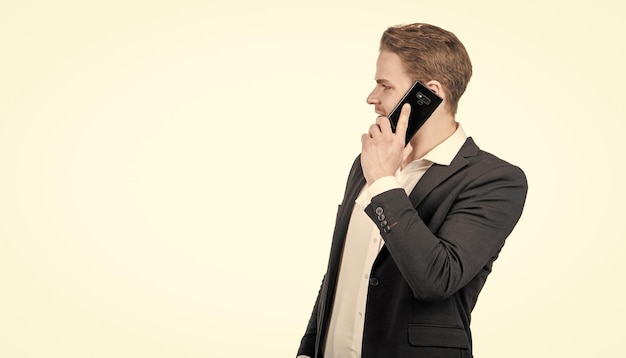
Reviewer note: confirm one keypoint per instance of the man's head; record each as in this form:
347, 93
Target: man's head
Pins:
429, 53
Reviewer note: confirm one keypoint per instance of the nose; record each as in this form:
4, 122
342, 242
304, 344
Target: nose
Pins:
373, 97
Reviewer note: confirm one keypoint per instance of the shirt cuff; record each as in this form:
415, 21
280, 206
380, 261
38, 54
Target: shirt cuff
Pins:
378, 187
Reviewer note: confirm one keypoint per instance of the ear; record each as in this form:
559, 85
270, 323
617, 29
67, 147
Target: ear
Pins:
436, 87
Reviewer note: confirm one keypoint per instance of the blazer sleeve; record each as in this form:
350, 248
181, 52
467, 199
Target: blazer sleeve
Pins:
474, 225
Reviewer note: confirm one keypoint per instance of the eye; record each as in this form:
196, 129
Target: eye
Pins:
385, 87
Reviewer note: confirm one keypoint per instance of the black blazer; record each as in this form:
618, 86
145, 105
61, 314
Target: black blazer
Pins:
440, 244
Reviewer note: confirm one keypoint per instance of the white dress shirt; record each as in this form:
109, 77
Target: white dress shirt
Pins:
362, 245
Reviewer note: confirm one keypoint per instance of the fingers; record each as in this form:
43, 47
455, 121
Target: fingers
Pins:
408, 149
364, 139
374, 130
383, 126
403, 121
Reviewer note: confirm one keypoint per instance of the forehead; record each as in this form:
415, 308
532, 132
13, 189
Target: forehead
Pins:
390, 67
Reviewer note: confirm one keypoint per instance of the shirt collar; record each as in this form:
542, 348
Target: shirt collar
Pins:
447, 150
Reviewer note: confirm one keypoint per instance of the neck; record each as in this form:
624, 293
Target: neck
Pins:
436, 130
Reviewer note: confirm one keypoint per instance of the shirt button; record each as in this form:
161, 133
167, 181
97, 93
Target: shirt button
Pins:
375, 240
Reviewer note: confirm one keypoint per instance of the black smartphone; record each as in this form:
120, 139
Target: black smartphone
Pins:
423, 103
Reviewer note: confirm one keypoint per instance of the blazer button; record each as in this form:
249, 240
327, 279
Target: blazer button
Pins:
374, 281
379, 210
387, 229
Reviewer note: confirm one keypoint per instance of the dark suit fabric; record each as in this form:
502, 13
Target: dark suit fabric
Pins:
439, 248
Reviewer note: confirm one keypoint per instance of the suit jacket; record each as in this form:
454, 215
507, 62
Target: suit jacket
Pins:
440, 244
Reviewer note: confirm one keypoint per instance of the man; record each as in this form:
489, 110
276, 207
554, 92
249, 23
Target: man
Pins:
419, 226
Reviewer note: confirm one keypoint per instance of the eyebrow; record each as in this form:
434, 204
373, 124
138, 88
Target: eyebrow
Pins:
383, 81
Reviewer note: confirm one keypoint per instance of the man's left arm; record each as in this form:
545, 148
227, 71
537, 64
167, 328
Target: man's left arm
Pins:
473, 228
437, 264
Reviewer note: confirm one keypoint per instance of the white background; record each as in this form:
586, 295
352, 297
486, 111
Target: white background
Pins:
170, 170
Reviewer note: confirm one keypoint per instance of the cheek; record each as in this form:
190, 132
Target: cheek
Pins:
389, 104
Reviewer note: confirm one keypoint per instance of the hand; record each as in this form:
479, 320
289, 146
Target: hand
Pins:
383, 151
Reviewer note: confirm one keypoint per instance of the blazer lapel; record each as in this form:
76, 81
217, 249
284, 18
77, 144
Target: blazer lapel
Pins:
355, 184
436, 174
356, 181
